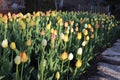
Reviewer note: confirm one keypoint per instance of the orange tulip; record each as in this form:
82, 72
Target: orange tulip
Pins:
76, 29
23, 57
71, 23
42, 32
97, 26
66, 24
92, 36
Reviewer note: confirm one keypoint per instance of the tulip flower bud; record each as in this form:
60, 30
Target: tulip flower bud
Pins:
86, 26
79, 36
87, 38
72, 30
57, 75
17, 60
79, 51
78, 63
13, 45
61, 36
23, 57
48, 26
44, 42
65, 38
4, 43
85, 32
84, 43
64, 55
70, 56
28, 43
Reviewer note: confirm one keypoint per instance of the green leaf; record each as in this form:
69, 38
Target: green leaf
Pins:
1, 77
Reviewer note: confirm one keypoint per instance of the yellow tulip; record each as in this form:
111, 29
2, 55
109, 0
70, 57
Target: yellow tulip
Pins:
32, 23
64, 55
60, 20
79, 35
89, 26
78, 63
52, 30
65, 38
48, 26
22, 24
57, 75
87, 38
85, 32
55, 32
28, 43
13, 45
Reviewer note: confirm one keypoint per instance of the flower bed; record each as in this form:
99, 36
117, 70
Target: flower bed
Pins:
51, 45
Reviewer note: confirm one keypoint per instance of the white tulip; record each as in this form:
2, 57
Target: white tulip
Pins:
70, 56
17, 60
62, 35
5, 43
84, 43
79, 51
85, 25
44, 63
44, 42
72, 30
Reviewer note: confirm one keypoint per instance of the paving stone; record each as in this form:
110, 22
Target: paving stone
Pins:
116, 48
112, 59
117, 44
112, 71
110, 52
118, 40
97, 78
109, 68
104, 76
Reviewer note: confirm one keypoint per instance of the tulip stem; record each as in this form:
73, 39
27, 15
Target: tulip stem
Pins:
22, 71
74, 73
62, 67
68, 69
16, 72
42, 67
5, 33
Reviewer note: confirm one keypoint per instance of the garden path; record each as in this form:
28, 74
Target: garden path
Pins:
109, 68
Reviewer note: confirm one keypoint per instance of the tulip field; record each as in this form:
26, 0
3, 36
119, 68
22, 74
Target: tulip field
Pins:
53, 45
